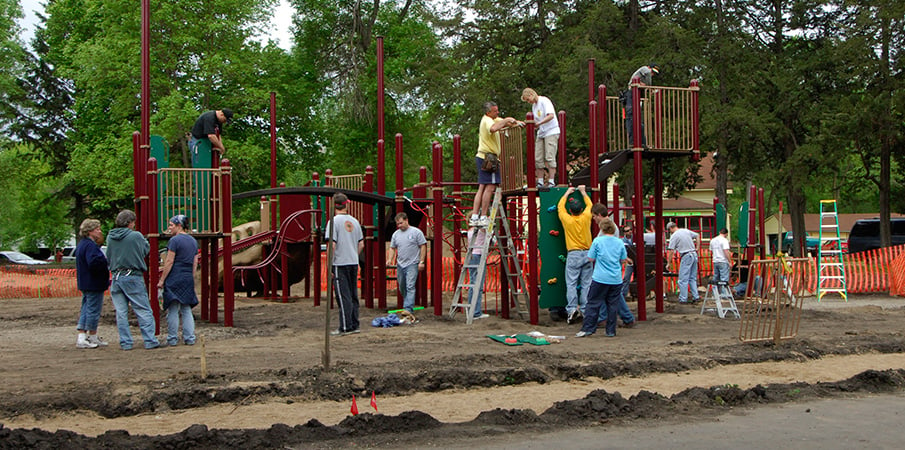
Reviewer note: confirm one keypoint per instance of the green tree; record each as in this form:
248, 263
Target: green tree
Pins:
12, 59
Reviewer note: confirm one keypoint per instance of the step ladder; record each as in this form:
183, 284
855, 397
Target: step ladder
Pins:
498, 238
720, 296
830, 267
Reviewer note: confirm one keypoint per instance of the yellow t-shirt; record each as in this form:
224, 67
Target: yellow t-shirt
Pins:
577, 228
488, 142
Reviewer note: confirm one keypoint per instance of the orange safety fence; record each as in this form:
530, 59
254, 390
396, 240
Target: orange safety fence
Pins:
33, 282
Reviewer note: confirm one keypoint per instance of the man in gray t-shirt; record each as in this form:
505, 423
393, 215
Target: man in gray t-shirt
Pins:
686, 243
408, 246
345, 233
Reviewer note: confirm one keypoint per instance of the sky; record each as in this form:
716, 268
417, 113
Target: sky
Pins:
278, 29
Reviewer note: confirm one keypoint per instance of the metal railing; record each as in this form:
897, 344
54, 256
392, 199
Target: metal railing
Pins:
194, 193
669, 115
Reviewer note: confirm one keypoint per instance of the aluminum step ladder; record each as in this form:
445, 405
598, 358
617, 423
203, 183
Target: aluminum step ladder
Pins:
830, 264
496, 237
720, 296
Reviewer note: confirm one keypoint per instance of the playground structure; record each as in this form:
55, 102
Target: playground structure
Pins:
204, 194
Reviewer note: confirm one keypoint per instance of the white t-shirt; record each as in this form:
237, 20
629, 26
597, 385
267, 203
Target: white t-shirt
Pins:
541, 109
718, 247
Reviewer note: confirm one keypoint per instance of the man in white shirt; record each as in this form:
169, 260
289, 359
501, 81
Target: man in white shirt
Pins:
722, 257
686, 243
546, 144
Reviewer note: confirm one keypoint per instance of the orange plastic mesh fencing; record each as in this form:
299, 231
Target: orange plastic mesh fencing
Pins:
897, 275
32, 282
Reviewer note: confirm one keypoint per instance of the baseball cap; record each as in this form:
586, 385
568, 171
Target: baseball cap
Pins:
654, 67
228, 113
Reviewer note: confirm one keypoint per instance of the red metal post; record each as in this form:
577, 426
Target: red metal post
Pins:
696, 120
457, 224
533, 257
660, 237
761, 210
601, 120
274, 223
561, 151
226, 192
316, 250
153, 241
639, 212
368, 275
636, 117
436, 268
593, 155
145, 72
616, 206
380, 99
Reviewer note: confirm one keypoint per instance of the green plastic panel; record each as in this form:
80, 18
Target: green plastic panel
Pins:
552, 249
720, 218
742, 231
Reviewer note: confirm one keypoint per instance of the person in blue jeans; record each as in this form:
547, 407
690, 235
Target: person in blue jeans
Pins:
686, 243
608, 255
127, 250
409, 248
93, 279
628, 319
177, 281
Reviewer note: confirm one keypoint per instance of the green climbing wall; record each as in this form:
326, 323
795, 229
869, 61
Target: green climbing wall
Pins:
552, 249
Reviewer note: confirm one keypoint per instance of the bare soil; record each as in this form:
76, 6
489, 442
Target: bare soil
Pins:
433, 381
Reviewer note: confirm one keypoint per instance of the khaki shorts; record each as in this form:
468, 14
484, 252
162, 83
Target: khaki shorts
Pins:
545, 150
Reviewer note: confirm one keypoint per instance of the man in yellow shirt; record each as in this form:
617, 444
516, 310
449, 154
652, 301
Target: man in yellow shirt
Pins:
576, 224
488, 142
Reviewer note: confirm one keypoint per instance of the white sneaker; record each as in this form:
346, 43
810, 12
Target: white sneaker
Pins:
96, 340
583, 334
84, 343
482, 316
483, 222
551, 183
473, 222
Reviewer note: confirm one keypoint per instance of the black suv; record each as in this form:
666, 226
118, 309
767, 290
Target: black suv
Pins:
865, 234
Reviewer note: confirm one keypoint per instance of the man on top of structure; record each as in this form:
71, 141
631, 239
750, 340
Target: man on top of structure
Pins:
546, 144
645, 76
488, 143
209, 125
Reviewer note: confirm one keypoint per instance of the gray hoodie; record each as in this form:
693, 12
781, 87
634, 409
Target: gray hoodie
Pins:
127, 249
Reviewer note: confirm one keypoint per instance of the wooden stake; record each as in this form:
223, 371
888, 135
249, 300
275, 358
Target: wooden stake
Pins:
203, 358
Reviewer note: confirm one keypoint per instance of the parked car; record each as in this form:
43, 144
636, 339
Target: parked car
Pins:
10, 257
865, 234
811, 243
68, 255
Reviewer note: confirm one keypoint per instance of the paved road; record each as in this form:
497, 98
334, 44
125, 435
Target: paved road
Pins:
876, 422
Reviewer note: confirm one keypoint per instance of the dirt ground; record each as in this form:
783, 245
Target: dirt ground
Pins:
433, 381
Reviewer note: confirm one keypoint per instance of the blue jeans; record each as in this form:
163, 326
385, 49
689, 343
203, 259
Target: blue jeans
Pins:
130, 290
628, 121
478, 288
90, 315
406, 277
174, 312
578, 273
688, 276
622, 310
602, 296
721, 272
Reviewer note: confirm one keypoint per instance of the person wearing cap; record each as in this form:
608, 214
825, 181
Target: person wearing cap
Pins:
209, 125
645, 75
127, 250
546, 143
488, 142
93, 278
344, 234
686, 244
178, 281
575, 216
